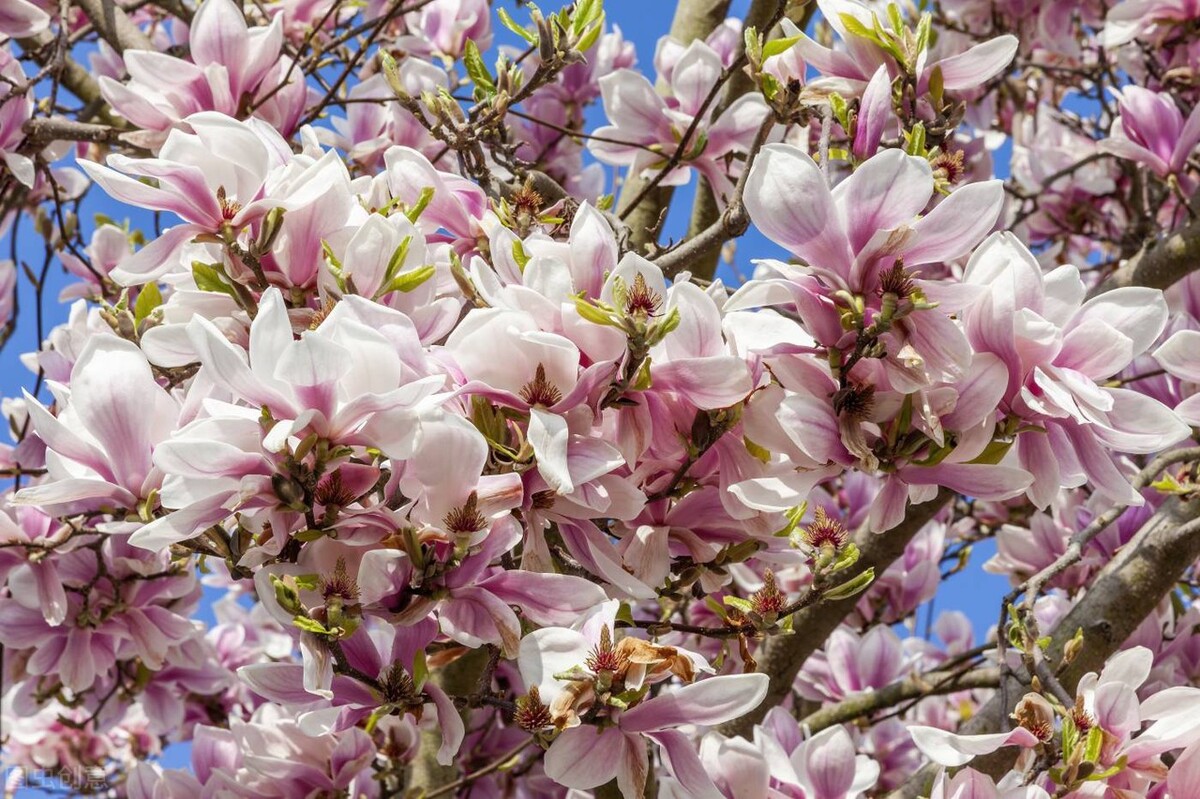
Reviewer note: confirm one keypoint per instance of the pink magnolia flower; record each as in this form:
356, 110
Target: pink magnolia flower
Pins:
8, 291
952, 750
850, 663
346, 381
1152, 131
214, 178
782, 764
504, 356
585, 757
1180, 356
863, 55
1131, 19
443, 28
21, 18
102, 440
1057, 349
266, 756
231, 65
971, 784
14, 112
650, 126
386, 653
851, 237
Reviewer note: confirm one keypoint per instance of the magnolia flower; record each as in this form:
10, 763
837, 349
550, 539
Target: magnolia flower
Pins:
14, 110
505, 357
1151, 130
650, 126
1057, 348
1180, 356
213, 177
230, 65
1131, 19
970, 784
864, 54
101, 443
586, 757
21, 18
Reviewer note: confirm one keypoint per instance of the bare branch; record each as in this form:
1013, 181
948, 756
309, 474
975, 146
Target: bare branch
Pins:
913, 687
114, 25
1160, 265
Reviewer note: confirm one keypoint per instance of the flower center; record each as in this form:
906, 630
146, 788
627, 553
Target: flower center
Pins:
539, 391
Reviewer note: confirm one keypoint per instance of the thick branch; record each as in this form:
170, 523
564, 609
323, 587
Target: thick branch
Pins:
114, 26
40, 131
705, 211
781, 657
912, 687
1118, 600
694, 19
1161, 265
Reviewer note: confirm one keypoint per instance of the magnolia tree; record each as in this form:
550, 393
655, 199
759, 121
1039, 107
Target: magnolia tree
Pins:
397, 447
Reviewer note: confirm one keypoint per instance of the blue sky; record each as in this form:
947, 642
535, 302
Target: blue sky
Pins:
642, 22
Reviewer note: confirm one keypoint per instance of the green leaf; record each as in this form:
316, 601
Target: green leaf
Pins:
753, 45
1094, 745
586, 12
846, 558
777, 46
420, 205
590, 36
407, 281
149, 299
310, 625
519, 254
420, 671
853, 26
508, 22
594, 313
209, 279
937, 86
916, 140
855, 585
761, 453
397, 260
1112, 771
641, 381
924, 28
307, 582
476, 71
743, 605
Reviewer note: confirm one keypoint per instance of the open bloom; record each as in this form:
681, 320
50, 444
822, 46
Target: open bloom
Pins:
224, 175
101, 443
650, 126
1152, 131
864, 54
231, 66
1057, 349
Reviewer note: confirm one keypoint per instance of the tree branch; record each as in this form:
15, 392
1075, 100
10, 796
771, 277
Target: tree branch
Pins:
1121, 596
913, 687
114, 26
705, 211
781, 657
694, 19
1160, 265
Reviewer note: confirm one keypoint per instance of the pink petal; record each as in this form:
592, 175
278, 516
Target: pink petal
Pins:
708, 702
790, 202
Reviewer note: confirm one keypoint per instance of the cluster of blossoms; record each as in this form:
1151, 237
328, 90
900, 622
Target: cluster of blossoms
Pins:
394, 456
